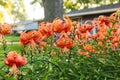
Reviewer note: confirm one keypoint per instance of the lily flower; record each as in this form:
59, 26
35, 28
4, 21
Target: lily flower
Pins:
15, 60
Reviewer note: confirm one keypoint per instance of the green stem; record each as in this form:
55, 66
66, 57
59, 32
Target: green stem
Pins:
31, 56
4, 45
69, 57
49, 62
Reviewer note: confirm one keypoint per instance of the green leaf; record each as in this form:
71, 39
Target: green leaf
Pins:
11, 78
2, 72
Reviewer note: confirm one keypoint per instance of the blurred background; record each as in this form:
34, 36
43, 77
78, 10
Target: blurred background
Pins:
13, 11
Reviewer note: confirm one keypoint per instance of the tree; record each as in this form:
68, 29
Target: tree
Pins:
52, 9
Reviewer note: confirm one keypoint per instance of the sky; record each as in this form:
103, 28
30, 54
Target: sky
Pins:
34, 11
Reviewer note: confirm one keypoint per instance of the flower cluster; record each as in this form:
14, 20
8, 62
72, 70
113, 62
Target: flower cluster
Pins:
67, 32
91, 48
58, 27
15, 60
5, 29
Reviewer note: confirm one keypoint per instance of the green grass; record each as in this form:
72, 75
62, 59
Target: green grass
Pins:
12, 37
11, 47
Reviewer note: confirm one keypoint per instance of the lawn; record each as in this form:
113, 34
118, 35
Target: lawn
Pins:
11, 47
14, 38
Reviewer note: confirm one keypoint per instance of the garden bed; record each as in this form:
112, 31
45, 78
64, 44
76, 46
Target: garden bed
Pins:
64, 50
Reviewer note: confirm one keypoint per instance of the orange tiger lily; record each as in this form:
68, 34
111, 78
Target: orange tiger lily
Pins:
64, 42
5, 29
89, 48
63, 26
14, 60
67, 25
30, 37
113, 17
100, 43
115, 46
42, 43
103, 29
101, 36
58, 25
86, 54
34, 35
115, 31
104, 20
46, 30
116, 39
83, 29
24, 38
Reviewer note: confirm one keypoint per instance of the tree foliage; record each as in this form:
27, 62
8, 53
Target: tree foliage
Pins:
6, 7
39, 1
3, 3
81, 4
15, 9
18, 11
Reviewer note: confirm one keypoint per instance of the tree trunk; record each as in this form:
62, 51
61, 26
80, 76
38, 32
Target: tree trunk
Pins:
52, 9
